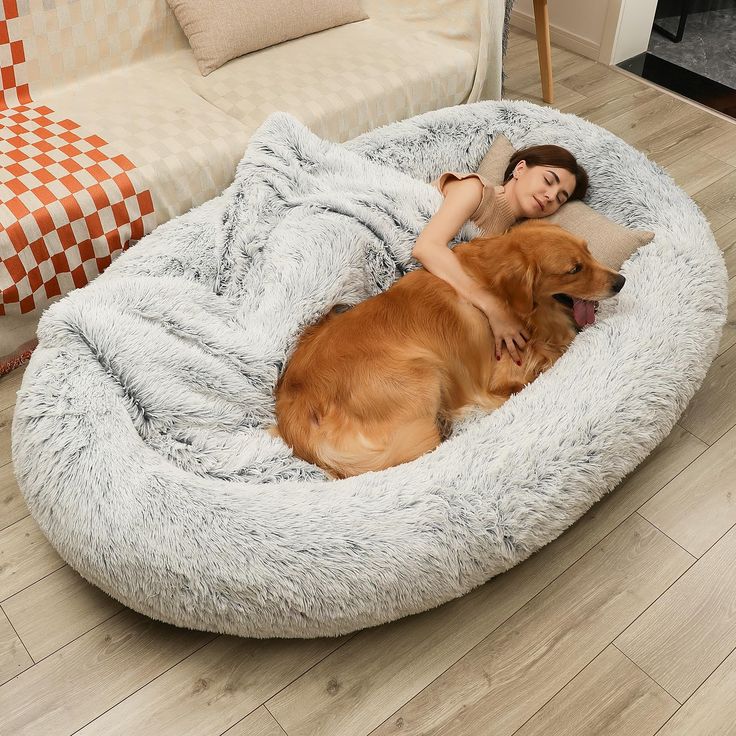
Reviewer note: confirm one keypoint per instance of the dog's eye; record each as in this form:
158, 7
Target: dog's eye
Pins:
576, 268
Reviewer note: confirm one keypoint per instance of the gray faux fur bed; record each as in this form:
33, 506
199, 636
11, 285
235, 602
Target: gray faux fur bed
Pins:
138, 435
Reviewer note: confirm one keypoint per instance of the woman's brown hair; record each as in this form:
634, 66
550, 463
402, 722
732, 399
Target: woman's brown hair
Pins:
551, 156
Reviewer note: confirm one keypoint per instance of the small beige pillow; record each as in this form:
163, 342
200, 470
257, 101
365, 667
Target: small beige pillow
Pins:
220, 30
609, 242
494, 163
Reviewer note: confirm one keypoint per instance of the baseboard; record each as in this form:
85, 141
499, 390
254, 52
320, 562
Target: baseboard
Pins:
559, 36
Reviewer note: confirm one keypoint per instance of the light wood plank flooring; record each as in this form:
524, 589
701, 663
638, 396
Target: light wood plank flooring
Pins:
624, 625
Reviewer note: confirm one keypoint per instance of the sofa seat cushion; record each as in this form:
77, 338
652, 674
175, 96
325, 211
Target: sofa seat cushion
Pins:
342, 81
183, 149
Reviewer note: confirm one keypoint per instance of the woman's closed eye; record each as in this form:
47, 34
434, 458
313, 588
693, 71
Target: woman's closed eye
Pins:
561, 196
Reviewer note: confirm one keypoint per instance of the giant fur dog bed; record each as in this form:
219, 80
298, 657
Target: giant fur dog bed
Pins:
138, 436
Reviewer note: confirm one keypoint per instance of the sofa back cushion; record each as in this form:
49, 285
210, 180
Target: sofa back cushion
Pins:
65, 41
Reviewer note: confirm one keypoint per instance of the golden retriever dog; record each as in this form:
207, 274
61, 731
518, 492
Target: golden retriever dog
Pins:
376, 385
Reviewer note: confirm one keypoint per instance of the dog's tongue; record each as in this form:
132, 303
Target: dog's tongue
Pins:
583, 311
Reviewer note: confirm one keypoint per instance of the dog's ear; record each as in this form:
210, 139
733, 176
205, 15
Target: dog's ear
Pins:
517, 287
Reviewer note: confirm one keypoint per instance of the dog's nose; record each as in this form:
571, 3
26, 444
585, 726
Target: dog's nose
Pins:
618, 283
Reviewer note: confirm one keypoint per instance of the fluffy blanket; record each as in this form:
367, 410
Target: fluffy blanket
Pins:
138, 437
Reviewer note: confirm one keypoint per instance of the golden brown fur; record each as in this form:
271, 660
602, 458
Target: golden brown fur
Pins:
372, 387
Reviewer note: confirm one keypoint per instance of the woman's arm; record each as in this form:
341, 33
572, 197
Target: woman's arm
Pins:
462, 197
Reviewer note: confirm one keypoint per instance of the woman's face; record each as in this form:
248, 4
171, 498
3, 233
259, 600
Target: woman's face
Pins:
539, 191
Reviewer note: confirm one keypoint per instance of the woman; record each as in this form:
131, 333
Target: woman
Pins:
537, 182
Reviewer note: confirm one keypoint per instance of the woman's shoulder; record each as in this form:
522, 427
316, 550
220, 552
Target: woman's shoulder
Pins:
492, 214
443, 178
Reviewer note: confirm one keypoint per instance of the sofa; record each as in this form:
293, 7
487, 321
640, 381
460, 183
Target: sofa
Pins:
109, 128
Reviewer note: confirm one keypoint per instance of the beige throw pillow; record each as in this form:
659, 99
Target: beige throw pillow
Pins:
220, 30
494, 163
609, 242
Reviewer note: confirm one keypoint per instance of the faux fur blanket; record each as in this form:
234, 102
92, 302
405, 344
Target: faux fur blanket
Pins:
306, 225
138, 438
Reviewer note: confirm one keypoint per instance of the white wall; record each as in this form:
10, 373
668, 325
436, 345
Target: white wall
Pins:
605, 30
632, 31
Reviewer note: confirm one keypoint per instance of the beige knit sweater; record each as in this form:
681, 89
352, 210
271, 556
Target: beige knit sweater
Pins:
494, 215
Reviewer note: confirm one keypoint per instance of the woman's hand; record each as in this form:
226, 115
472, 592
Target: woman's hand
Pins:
508, 331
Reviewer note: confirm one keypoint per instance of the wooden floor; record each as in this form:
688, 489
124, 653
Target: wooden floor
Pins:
624, 625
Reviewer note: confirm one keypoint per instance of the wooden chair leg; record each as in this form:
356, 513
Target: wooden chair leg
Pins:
544, 49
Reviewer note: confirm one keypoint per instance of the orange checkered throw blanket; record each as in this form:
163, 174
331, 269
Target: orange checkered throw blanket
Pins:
67, 205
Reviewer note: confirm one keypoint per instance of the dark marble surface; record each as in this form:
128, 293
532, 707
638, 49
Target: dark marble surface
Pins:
708, 46
689, 84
